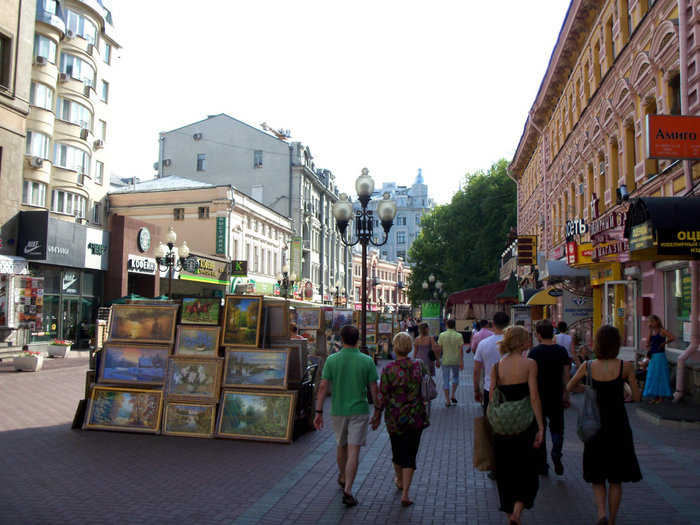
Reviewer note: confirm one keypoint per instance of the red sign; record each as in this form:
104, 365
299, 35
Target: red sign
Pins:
673, 137
571, 252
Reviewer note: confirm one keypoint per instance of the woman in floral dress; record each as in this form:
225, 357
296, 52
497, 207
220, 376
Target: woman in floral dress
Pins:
404, 411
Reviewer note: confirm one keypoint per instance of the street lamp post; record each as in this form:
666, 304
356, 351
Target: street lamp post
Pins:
286, 281
434, 289
166, 257
338, 293
364, 228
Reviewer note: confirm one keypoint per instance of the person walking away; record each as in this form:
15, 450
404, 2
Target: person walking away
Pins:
424, 345
486, 355
452, 360
609, 456
658, 381
516, 455
405, 415
349, 372
553, 365
564, 339
482, 334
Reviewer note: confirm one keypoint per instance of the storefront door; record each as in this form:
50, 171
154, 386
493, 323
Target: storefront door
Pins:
620, 310
69, 321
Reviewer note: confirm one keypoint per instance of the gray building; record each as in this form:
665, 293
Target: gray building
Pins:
412, 203
279, 174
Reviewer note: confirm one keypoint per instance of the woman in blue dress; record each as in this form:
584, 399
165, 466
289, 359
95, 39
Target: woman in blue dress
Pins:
658, 382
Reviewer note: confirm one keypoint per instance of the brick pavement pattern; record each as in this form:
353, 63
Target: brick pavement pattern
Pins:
52, 474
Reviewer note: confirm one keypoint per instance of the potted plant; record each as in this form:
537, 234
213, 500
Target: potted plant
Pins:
28, 360
59, 348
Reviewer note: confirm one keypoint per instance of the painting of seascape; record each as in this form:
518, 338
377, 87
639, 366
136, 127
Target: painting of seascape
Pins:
256, 368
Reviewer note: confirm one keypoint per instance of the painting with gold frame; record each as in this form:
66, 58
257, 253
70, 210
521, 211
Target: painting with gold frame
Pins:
189, 419
136, 323
309, 318
242, 320
256, 368
133, 365
259, 416
197, 340
124, 409
192, 378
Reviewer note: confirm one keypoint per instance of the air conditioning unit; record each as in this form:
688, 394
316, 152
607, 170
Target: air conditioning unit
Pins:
86, 91
166, 162
99, 143
90, 49
36, 162
70, 33
84, 134
197, 136
80, 179
63, 77
40, 61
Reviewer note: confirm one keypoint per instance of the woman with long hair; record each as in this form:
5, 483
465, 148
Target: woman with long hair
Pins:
609, 455
658, 380
423, 345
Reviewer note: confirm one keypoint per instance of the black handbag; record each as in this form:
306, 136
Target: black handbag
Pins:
432, 356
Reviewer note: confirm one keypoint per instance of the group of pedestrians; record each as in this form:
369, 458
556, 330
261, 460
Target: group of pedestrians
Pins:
504, 356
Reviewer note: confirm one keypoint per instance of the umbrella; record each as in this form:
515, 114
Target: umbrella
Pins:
123, 300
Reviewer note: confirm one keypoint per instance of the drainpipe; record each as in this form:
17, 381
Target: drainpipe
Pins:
694, 345
323, 246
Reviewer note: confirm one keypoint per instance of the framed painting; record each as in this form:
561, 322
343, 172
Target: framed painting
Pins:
384, 328
197, 340
309, 335
200, 310
278, 321
328, 319
189, 419
136, 323
133, 364
371, 338
309, 318
341, 318
242, 319
124, 409
386, 318
193, 378
260, 416
371, 317
256, 368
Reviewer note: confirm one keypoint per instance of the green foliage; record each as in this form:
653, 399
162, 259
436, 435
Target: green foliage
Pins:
461, 242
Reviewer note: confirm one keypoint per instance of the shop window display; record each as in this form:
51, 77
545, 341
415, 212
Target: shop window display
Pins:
678, 292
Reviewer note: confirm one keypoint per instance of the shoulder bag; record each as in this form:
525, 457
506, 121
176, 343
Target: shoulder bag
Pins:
588, 424
508, 417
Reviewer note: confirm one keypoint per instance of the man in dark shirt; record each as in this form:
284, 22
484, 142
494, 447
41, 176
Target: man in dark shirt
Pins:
553, 367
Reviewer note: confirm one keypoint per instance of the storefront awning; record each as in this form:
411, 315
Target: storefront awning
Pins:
560, 270
542, 298
480, 295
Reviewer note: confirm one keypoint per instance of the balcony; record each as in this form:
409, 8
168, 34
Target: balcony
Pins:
50, 19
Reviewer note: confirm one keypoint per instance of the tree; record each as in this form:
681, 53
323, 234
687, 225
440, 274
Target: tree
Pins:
461, 242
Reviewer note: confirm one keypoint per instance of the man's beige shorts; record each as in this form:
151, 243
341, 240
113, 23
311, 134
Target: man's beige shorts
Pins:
350, 429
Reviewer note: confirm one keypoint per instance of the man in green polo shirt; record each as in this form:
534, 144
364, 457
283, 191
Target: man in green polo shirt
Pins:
452, 360
350, 372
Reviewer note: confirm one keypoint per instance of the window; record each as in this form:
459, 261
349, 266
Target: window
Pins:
179, 214
107, 54
418, 219
41, 96
401, 220
97, 213
77, 68
204, 212
45, 47
74, 113
68, 203
34, 193
46, 6
80, 25
37, 145
201, 161
5, 60
257, 158
71, 158
99, 172
401, 237
678, 294
104, 94
401, 254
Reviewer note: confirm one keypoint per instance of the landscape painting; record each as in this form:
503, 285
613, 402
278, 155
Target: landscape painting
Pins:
242, 320
328, 318
256, 368
386, 317
189, 419
197, 340
131, 364
261, 416
135, 323
198, 310
341, 318
384, 328
124, 409
309, 318
193, 378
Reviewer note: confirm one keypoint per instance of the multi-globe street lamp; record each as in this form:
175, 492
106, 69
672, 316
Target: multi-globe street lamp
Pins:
434, 290
286, 281
364, 230
167, 257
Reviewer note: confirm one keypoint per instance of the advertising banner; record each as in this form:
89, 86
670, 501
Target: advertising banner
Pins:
577, 307
673, 137
295, 257
221, 235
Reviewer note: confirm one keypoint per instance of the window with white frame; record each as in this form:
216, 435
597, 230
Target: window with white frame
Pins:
41, 96
107, 55
71, 158
257, 158
73, 112
44, 47
201, 161
401, 237
77, 68
46, 6
401, 220
99, 172
37, 145
101, 131
97, 213
34, 193
68, 203
179, 214
203, 212
104, 93
80, 25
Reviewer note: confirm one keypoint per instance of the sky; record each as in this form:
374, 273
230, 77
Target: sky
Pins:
394, 86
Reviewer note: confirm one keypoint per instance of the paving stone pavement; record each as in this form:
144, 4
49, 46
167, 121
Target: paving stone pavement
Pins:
52, 474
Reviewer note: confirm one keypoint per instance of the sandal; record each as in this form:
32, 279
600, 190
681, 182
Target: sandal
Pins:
454, 401
340, 481
447, 403
396, 482
349, 499
406, 503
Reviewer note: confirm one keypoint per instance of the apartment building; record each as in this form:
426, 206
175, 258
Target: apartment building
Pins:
387, 283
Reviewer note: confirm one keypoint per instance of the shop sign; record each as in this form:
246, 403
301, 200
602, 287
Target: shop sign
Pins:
96, 249
66, 244
265, 288
673, 137
607, 222
430, 309
556, 254
575, 227
204, 267
576, 307
613, 248
143, 242
527, 250
33, 235
239, 268
578, 253
71, 283
142, 265
642, 236
555, 292
678, 242
221, 231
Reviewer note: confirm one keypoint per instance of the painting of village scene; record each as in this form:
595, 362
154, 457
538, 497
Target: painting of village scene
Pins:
194, 378
197, 340
309, 318
131, 410
341, 318
262, 416
198, 310
135, 323
242, 320
189, 419
256, 368
133, 364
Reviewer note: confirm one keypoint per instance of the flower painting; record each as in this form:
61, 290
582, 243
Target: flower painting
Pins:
309, 318
197, 340
242, 316
124, 409
133, 364
193, 378
262, 416
189, 419
135, 323
256, 368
